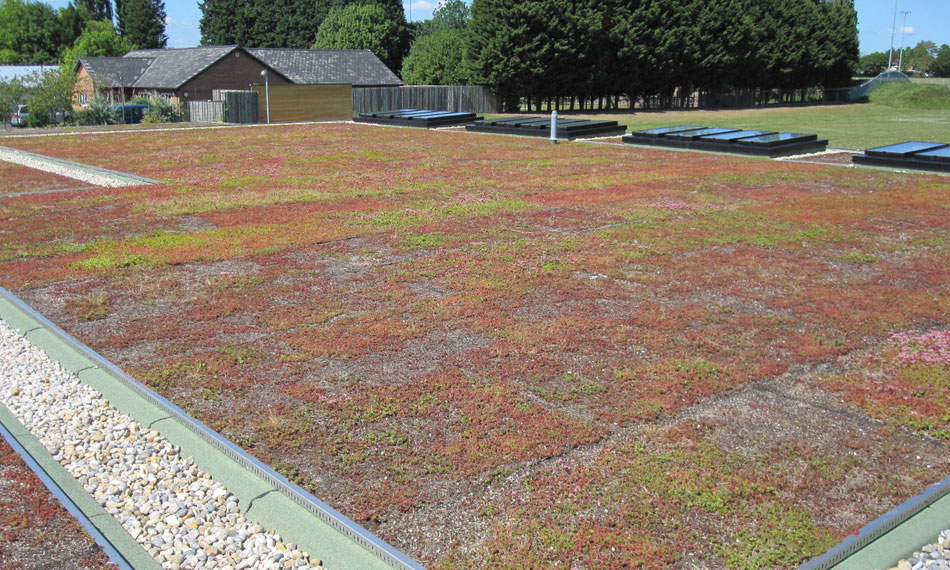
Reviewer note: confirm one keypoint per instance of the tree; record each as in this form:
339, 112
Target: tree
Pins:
920, 57
98, 40
510, 48
872, 64
14, 91
452, 14
941, 65
223, 22
29, 33
436, 55
361, 26
280, 23
72, 21
100, 9
436, 59
52, 93
142, 22
283, 23
839, 43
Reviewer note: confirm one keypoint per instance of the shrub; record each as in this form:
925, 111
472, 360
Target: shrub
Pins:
98, 113
160, 110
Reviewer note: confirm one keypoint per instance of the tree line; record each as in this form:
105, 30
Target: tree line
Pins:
33, 33
544, 49
605, 49
377, 25
536, 50
923, 59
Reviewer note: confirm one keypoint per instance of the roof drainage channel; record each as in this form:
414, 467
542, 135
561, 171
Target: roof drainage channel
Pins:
892, 536
76, 170
271, 500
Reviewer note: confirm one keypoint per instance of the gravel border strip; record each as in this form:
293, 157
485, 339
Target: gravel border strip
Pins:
173, 509
269, 496
934, 556
54, 478
85, 173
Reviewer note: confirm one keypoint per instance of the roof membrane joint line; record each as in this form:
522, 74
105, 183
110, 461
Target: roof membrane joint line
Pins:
250, 504
151, 425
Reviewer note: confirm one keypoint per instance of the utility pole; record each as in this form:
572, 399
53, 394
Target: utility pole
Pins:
900, 60
890, 58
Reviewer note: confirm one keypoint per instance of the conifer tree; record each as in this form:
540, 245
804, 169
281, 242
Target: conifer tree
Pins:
142, 22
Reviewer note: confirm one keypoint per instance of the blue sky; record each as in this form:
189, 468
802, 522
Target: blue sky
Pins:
927, 20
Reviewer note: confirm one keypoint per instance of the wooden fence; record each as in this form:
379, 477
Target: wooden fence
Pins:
239, 106
292, 103
206, 111
457, 98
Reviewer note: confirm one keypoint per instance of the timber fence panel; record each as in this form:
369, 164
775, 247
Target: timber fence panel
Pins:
206, 111
455, 98
240, 106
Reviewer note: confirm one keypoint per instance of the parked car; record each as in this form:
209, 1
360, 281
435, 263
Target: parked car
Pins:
20, 116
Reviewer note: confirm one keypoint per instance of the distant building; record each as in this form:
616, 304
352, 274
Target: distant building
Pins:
8, 72
191, 74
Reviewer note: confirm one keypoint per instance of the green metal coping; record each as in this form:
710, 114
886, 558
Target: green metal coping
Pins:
265, 497
894, 536
905, 539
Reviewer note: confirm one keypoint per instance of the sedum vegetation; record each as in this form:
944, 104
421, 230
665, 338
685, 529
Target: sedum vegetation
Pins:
513, 354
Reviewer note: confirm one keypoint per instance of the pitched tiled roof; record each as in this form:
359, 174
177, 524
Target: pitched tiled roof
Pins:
310, 66
174, 67
116, 71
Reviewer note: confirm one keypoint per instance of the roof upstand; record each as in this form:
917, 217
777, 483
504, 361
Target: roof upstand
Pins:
567, 129
417, 118
728, 140
915, 155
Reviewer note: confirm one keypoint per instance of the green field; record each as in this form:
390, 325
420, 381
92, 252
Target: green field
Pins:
856, 126
931, 80
853, 126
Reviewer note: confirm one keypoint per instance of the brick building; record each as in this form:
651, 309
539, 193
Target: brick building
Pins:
190, 74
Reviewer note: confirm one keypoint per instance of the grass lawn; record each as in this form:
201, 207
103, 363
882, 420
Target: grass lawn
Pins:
497, 352
854, 126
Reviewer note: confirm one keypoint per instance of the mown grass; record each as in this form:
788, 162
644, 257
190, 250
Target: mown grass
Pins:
895, 113
927, 97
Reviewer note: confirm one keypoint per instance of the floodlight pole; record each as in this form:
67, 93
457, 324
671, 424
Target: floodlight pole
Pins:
266, 94
890, 57
900, 60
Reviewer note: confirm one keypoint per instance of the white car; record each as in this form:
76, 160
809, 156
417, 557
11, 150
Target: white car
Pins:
20, 116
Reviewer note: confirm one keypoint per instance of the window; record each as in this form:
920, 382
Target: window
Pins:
82, 99
167, 97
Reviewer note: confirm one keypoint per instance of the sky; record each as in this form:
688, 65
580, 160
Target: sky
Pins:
927, 20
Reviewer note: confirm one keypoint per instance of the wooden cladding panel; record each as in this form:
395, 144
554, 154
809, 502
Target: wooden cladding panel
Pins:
292, 103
